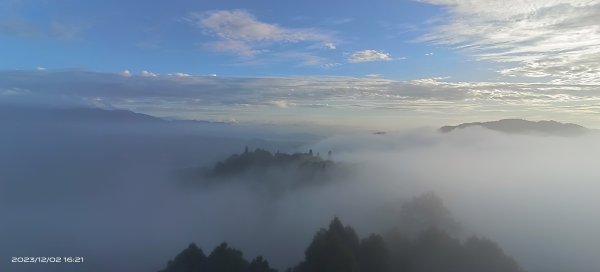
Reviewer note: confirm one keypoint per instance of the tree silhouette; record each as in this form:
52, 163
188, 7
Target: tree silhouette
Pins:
275, 172
190, 259
226, 259
338, 249
332, 249
373, 254
259, 264
221, 259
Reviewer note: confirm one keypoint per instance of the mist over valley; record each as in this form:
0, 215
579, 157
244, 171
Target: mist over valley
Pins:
110, 186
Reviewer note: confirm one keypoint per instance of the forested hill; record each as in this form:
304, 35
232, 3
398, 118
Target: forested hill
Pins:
276, 172
339, 249
520, 126
261, 160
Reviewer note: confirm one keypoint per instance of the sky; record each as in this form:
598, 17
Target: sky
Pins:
371, 64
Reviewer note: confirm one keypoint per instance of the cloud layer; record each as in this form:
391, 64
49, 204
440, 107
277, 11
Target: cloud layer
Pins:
554, 39
321, 98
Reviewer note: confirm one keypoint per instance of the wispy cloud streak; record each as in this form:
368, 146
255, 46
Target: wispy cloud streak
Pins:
556, 40
241, 33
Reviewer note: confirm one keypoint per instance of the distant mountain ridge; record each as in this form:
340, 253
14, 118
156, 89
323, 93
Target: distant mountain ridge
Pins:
12, 113
72, 114
521, 126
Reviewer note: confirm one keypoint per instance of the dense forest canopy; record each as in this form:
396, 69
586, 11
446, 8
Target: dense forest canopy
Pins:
274, 171
261, 160
339, 249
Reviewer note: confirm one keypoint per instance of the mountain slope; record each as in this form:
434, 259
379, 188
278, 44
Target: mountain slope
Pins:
75, 114
520, 126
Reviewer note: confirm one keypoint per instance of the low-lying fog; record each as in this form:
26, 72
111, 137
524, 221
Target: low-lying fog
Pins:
111, 192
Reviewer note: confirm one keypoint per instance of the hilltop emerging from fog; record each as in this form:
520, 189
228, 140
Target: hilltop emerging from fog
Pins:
261, 160
520, 126
273, 171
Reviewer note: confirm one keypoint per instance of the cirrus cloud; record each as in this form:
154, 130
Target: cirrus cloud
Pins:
554, 39
369, 55
241, 33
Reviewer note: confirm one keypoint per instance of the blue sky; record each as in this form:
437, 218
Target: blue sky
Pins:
360, 63
112, 36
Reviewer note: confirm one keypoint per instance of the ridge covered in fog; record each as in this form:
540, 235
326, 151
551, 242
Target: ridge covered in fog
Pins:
521, 126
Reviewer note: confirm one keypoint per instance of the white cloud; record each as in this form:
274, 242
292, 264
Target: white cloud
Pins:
241, 33
13, 91
331, 65
148, 44
280, 103
40, 68
146, 73
126, 73
9, 92
237, 47
337, 21
179, 74
304, 59
64, 31
554, 39
368, 56
429, 54
330, 45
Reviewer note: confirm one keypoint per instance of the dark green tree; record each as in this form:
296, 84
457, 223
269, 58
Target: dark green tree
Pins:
259, 264
226, 259
221, 259
373, 255
435, 251
333, 249
338, 249
189, 260
485, 255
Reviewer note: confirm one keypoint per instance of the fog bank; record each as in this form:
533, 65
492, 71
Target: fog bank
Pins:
111, 193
